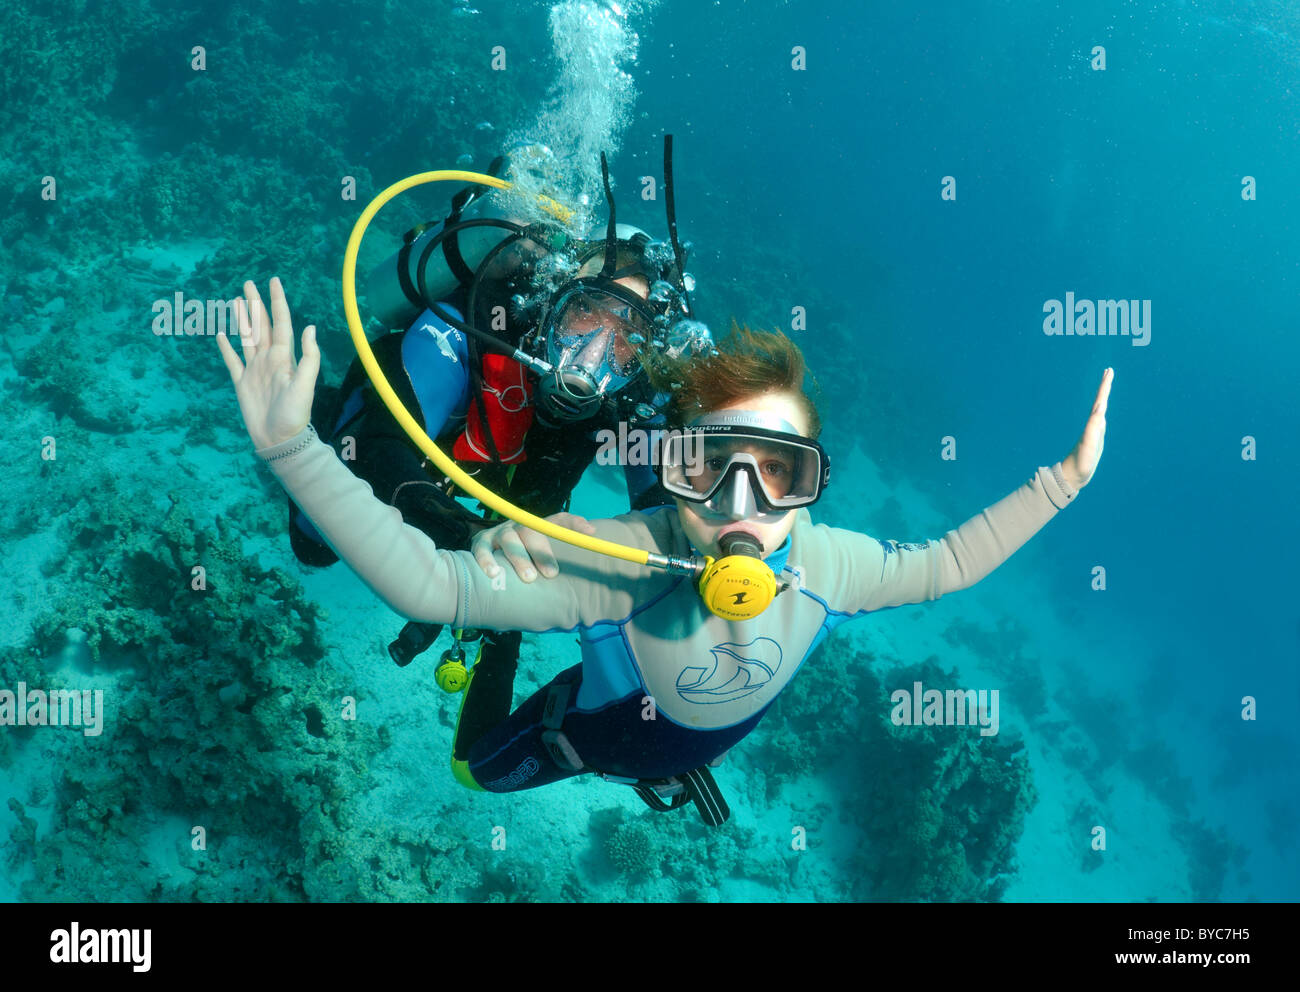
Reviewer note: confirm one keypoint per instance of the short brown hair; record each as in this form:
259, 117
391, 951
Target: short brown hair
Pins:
747, 363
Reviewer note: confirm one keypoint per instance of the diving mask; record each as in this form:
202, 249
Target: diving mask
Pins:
741, 464
591, 333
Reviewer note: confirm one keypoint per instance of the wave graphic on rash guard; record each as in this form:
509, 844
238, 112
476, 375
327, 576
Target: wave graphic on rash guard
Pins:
738, 670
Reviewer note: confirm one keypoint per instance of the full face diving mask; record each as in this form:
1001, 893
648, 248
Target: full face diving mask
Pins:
593, 327
592, 332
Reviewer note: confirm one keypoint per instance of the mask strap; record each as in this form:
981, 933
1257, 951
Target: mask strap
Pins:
671, 207
611, 232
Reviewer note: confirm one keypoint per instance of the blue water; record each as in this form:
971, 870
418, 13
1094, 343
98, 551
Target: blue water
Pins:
815, 188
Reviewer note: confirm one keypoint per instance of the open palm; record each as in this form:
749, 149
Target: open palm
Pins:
274, 391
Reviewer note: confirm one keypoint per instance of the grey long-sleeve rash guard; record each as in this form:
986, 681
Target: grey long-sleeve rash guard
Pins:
643, 630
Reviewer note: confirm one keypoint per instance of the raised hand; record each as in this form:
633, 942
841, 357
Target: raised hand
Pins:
274, 391
1080, 464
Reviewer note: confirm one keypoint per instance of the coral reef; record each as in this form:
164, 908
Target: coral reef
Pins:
1209, 855
674, 856
268, 772
23, 836
633, 849
58, 376
939, 809
224, 711
1003, 650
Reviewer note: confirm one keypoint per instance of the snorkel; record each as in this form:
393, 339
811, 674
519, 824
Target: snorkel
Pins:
735, 587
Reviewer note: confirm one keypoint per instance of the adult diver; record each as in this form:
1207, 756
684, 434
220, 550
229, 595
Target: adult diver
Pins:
481, 296
671, 676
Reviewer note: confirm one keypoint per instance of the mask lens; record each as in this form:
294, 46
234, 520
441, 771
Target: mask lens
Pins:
596, 331
696, 466
777, 466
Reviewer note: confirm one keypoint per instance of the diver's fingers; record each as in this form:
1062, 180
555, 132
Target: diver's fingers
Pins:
1103, 393
1094, 431
254, 328
573, 522
1086, 456
282, 323
481, 548
242, 323
508, 540
541, 550
541, 547
304, 377
247, 340
302, 382
233, 363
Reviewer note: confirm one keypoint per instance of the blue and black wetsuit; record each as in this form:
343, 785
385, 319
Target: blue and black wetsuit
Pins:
428, 366
649, 646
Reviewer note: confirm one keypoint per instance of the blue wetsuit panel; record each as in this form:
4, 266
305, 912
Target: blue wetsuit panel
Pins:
437, 360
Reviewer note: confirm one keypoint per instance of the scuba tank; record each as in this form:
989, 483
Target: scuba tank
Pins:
438, 257
392, 288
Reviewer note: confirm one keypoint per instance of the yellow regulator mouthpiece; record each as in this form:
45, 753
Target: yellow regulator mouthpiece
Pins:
735, 587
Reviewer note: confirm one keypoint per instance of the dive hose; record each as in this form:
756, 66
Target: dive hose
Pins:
738, 586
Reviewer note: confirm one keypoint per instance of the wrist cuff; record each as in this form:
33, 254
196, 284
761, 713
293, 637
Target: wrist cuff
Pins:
1065, 492
304, 439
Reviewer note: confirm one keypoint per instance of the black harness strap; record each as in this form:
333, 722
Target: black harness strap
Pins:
697, 786
655, 801
671, 207
404, 265
553, 738
701, 786
611, 230
451, 246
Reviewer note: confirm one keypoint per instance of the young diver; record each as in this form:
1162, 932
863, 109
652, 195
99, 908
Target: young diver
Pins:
665, 686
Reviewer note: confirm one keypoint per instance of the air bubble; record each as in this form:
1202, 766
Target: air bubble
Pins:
689, 336
661, 292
